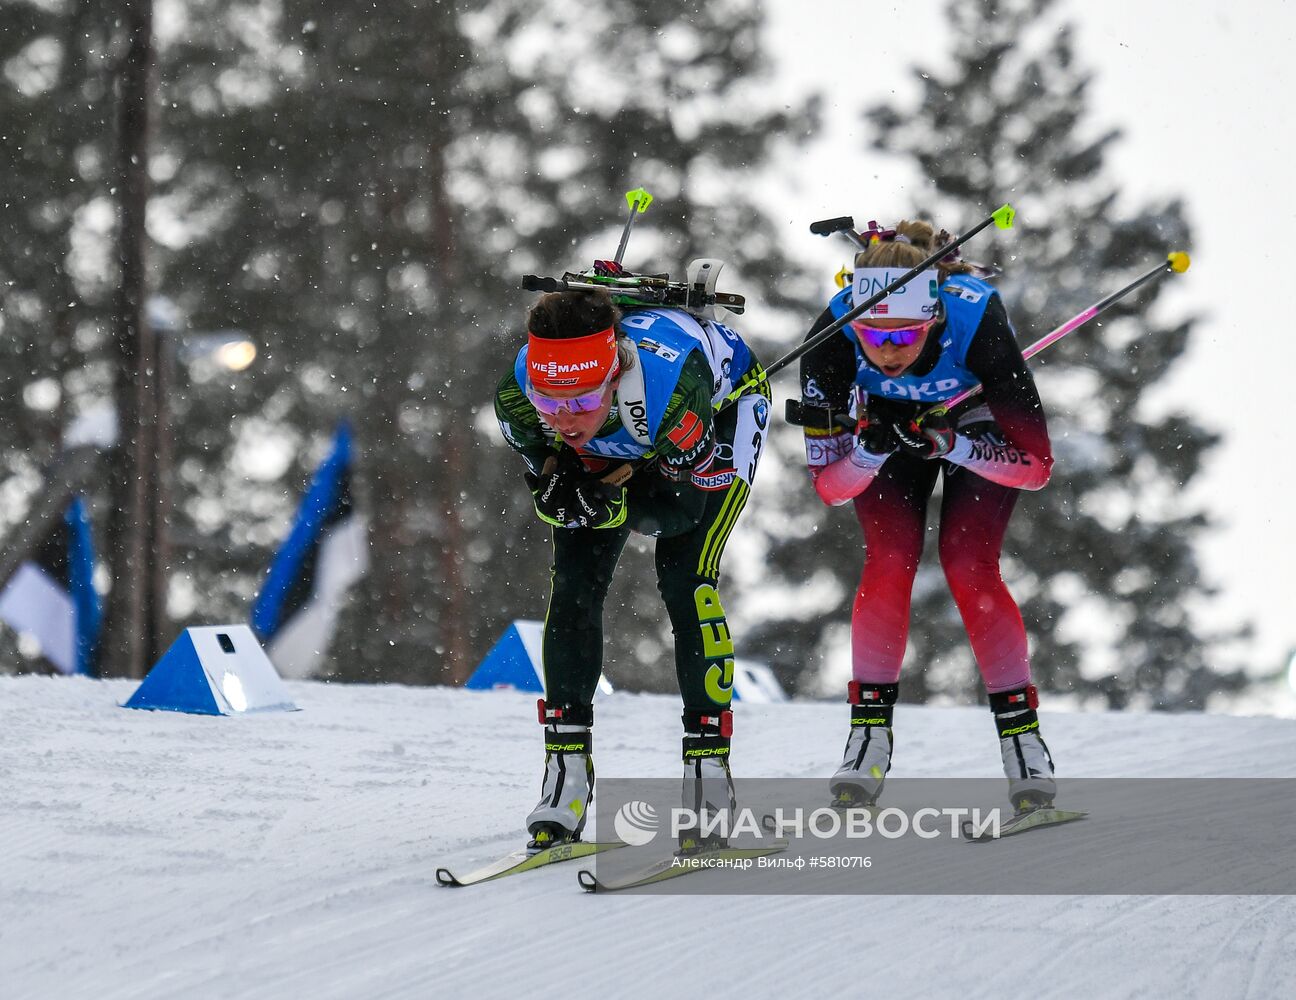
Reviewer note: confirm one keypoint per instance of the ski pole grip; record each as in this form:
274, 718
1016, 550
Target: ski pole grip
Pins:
620, 475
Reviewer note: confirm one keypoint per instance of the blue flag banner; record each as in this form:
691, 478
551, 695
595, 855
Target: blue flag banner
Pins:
326, 551
51, 596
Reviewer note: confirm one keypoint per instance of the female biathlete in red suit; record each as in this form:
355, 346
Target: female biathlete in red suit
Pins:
945, 331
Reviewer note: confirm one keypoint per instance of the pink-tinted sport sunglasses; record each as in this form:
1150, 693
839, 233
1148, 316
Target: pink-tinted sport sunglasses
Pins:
586, 402
901, 336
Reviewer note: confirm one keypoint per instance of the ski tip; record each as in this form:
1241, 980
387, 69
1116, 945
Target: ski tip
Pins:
972, 837
444, 877
1003, 216
1179, 262
587, 880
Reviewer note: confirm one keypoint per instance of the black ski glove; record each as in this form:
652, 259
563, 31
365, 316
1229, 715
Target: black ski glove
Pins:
552, 489
932, 437
876, 435
596, 504
566, 497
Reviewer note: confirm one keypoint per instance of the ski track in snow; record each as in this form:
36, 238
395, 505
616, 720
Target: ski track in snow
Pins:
152, 854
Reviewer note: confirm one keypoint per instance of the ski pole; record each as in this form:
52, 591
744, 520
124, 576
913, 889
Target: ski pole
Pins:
639, 199
1002, 217
1175, 263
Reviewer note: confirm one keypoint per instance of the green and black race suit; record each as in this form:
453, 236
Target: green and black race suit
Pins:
688, 495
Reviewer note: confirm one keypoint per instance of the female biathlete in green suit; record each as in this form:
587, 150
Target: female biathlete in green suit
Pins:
591, 390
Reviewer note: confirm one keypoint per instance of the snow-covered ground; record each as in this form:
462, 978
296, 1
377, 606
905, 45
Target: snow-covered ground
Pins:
292, 855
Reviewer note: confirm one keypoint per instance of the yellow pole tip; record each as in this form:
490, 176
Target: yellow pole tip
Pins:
1179, 262
1003, 216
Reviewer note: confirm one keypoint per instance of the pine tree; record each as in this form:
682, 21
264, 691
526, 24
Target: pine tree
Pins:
52, 278
56, 272
1101, 561
362, 188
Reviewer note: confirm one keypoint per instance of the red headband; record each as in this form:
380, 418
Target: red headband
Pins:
575, 363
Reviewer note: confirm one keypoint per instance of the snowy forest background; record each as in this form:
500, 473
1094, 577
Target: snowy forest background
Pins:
359, 188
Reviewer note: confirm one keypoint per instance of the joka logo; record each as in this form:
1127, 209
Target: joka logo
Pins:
635, 823
638, 416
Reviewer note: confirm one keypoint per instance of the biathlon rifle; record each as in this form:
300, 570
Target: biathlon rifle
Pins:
697, 294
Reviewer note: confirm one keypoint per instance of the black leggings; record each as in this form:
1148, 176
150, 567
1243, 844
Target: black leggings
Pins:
688, 571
